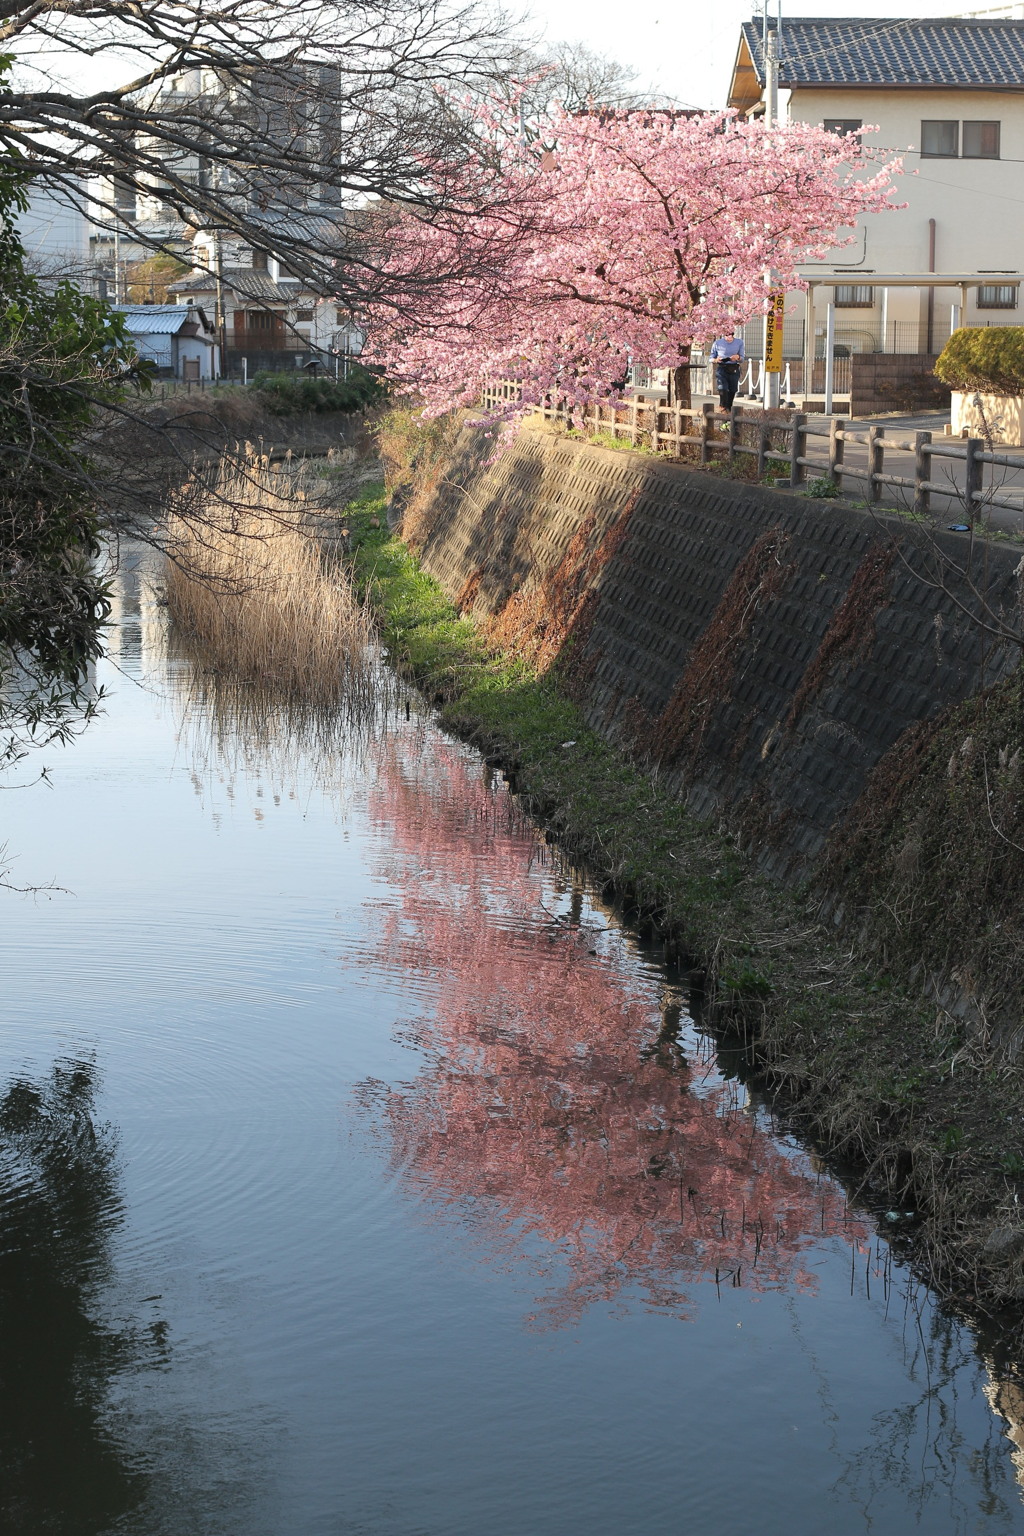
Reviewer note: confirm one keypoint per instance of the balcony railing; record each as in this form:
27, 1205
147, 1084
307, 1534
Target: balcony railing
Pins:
254, 340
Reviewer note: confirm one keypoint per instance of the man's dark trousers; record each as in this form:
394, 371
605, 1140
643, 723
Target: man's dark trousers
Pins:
727, 381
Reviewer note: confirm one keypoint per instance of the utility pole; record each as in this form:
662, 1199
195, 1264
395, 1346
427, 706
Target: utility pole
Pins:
773, 319
219, 319
771, 78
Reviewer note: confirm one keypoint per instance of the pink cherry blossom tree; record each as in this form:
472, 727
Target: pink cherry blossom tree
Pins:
632, 236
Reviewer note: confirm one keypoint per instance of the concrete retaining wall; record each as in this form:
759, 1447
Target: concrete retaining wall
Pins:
768, 650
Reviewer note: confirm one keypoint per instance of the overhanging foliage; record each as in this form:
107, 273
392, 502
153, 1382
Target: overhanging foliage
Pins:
61, 354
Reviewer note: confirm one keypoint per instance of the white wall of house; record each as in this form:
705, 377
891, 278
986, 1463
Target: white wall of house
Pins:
156, 347
195, 349
977, 205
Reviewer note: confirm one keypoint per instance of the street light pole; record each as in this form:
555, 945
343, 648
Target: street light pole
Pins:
830, 353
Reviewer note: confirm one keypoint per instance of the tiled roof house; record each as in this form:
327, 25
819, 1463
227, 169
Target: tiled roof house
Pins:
862, 53
947, 95
271, 318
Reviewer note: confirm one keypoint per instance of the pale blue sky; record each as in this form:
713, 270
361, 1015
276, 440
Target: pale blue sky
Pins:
686, 50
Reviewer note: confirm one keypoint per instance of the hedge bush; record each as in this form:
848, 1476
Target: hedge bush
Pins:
989, 359
288, 394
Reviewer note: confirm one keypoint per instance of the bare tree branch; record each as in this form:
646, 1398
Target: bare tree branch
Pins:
275, 123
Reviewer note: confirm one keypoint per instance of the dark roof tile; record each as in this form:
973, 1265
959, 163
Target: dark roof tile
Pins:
243, 281
897, 52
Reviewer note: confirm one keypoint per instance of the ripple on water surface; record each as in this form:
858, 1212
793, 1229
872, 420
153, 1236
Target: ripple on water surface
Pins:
420, 1204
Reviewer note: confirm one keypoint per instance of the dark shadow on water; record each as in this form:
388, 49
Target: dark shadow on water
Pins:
59, 1204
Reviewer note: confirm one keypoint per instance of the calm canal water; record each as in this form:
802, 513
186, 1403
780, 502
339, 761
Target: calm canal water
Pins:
418, 1205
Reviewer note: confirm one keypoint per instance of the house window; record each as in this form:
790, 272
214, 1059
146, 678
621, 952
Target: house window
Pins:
259, 261
261, 319
981, 141
940, 138
850, 125
302, 315
341, 317
854, 296
997, 296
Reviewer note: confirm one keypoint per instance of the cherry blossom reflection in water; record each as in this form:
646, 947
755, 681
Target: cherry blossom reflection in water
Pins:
566, 1107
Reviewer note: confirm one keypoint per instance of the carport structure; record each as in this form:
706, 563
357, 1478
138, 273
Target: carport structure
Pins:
927, 281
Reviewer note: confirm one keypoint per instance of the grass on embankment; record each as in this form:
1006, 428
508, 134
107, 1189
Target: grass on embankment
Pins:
887, 1083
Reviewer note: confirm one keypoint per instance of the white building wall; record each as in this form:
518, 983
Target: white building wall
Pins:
977, 205
54, 233
155, 347
195, 348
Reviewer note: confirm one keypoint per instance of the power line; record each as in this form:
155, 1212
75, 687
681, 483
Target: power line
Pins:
935, 181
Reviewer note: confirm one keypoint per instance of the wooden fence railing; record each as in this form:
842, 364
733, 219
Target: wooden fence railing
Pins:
803, 447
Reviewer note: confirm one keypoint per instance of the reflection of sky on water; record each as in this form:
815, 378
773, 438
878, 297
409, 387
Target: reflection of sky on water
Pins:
398, 1172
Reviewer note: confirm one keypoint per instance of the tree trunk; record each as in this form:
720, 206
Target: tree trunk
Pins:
679, 383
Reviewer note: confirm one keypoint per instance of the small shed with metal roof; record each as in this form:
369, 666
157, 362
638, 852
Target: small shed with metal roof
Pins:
177, 338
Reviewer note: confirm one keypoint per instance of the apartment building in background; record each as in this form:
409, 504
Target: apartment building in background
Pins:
265, 317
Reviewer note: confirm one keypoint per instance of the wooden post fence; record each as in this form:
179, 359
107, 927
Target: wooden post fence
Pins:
676, 429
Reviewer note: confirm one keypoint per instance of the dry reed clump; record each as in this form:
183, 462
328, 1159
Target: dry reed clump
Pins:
251, 587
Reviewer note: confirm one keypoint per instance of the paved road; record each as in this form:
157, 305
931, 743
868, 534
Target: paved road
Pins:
1000, 480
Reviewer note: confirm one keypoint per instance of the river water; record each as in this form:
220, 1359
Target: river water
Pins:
363, 1174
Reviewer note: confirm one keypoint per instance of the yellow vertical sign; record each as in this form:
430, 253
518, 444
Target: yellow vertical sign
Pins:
773, 332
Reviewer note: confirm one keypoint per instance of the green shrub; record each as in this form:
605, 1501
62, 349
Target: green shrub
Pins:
287, 394
989, 359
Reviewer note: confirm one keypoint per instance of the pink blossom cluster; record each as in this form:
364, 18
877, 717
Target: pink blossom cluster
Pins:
636, 236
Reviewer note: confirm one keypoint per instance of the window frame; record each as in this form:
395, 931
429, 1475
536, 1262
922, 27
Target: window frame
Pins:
980, 122
941, 154
854, 303
844, 127
996, 303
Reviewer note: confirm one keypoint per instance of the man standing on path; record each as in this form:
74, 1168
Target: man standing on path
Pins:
727, 354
